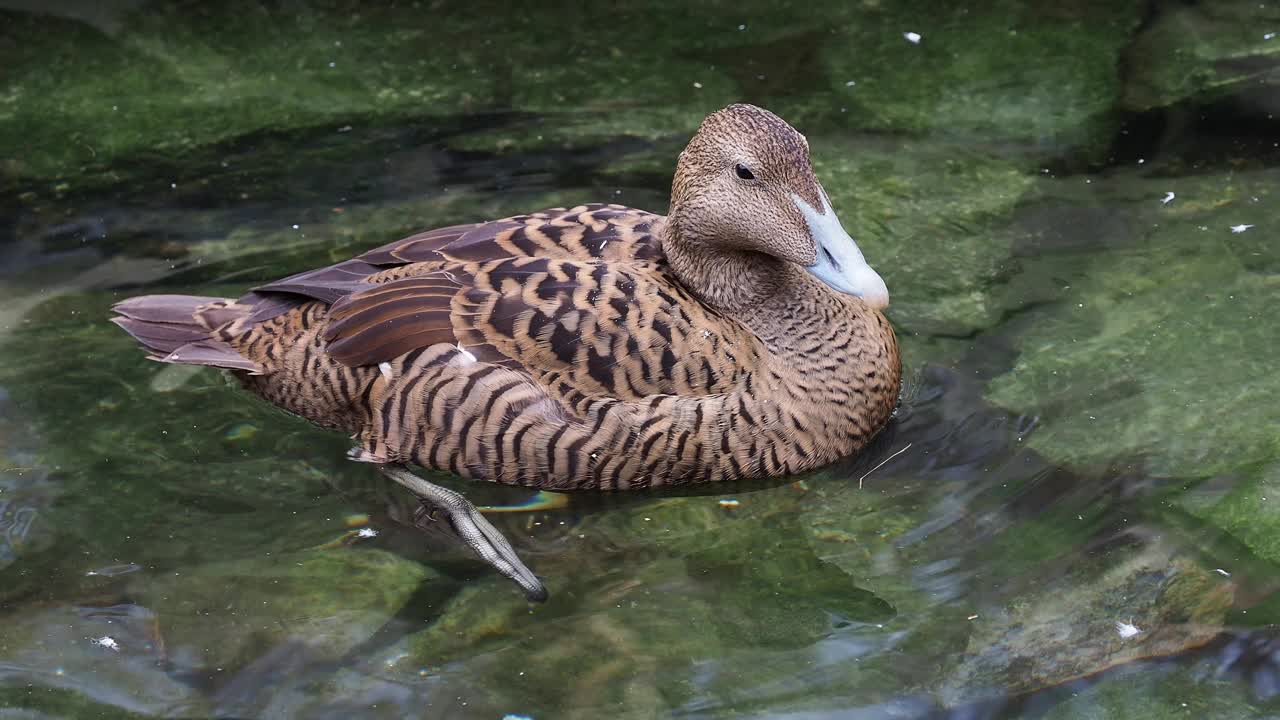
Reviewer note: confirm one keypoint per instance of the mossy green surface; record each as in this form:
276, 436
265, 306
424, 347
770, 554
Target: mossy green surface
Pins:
1204, 52
170, 78
1249, 510
1158, 346
326, 601
1176, 694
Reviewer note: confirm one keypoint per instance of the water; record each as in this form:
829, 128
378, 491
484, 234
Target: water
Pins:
1072, 516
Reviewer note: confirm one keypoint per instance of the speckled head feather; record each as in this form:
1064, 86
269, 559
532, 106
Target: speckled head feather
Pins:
734, 182
594, 347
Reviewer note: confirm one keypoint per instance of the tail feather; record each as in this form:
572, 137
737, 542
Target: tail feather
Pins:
163, 338
180, 329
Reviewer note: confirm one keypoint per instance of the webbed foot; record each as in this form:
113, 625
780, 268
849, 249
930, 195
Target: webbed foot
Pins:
474, 530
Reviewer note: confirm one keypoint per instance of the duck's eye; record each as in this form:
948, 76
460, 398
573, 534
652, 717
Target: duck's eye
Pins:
744, 172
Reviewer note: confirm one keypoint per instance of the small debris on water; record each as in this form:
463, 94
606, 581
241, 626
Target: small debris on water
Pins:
1237, 229
1168, 198
367, 532
850, 83
107, 642
1222, 572
912, 37
698, 85
882, 463
1268, 36
241, 431
729, 503
973, 617
114, 570
1127, 630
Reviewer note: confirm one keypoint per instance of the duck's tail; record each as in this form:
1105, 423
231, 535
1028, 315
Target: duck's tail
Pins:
186, 329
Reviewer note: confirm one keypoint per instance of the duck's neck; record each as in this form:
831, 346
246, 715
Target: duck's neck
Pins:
734, 282
791, 312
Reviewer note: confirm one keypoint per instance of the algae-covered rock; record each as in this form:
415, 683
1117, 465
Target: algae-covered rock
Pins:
1088, 617
322, 602
1203, 52
1248, 507
167, 79
1158, 345
1039, 78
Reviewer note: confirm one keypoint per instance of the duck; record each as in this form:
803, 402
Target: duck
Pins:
599, 347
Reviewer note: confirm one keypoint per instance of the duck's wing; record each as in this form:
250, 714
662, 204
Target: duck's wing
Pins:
581, 328
613, 233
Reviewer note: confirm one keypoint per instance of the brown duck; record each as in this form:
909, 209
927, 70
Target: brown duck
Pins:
599, 347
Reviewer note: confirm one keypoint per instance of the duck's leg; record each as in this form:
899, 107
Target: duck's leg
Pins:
477, 532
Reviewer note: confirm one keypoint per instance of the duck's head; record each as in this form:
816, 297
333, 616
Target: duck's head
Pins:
744, 183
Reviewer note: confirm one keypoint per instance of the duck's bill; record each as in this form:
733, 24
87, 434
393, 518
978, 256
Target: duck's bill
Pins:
840, 263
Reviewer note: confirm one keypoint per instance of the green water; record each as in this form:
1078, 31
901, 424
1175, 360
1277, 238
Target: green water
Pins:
1076, 513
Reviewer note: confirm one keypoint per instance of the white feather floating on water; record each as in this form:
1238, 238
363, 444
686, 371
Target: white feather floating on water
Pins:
1127, 630
107, 642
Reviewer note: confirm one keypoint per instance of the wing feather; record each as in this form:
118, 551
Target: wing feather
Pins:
580, 299
581, 328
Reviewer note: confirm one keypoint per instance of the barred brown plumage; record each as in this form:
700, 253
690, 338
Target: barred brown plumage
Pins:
596, 347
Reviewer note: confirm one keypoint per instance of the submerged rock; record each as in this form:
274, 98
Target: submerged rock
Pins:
1092, 616
322, 602
1156, 343
1203, 52
167, 81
